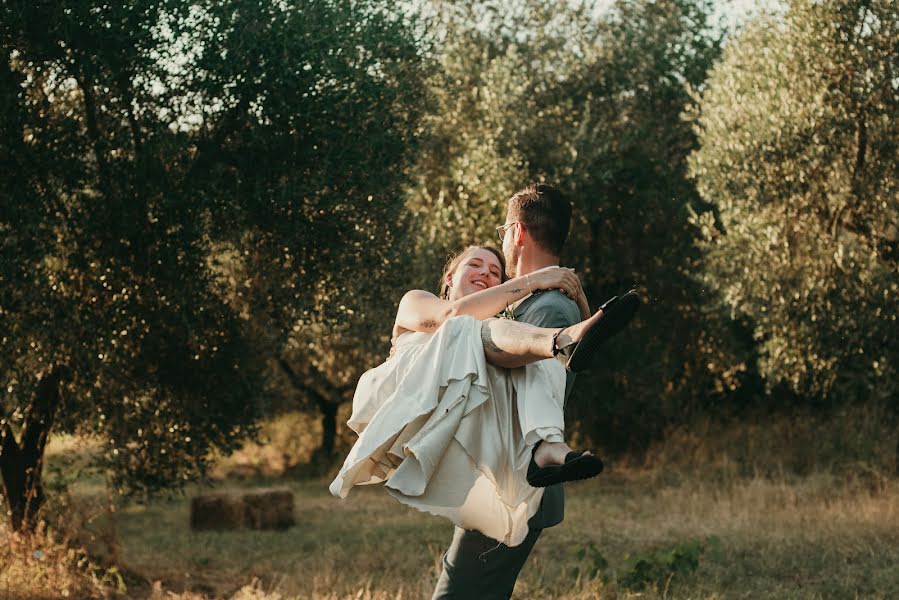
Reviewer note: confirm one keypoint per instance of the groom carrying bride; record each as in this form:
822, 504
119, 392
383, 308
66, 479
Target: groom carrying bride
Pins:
465, 418
536, 228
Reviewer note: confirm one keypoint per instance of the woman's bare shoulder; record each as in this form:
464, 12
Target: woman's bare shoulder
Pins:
417, 294
408, 300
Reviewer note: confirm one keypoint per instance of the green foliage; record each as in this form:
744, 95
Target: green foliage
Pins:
798, 162
189, 184
596, 562
653, 568
104, 278
591, 101
657, 567
320, 104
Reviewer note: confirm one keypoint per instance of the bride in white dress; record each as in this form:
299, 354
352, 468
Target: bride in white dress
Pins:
449, 432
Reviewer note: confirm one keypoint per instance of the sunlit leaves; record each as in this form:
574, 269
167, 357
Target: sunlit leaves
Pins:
187, 180
590, 100
799, 158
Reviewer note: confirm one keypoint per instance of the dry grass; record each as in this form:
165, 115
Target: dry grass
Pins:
778, 539
779, 531
48, 564
860, 442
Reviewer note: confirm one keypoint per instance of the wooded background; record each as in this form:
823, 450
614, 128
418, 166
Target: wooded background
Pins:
209, 210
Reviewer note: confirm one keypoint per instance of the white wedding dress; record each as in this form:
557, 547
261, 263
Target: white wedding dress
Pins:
451, 434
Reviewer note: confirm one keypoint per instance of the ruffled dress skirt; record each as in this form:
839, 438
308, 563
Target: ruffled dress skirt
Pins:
452, 435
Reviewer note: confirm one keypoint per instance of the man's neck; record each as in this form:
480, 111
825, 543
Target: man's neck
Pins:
530, 262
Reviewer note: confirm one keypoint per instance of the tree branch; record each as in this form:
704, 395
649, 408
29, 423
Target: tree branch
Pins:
321, 400
10, 452
125, 89
205, 146
39, 418
93, 130
12, 475
861, 144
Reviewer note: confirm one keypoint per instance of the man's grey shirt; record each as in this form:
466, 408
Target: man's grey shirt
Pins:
550, 309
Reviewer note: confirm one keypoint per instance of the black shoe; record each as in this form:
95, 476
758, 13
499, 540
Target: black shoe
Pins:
616, 314
577, 466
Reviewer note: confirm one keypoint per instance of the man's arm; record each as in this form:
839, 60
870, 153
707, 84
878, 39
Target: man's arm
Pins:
510, 344
555, 310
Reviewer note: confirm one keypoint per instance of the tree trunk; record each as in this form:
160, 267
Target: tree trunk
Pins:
326, 397
329, 427
22, 463
12, 471
96, 136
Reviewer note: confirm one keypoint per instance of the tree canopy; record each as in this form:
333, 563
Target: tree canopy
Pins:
185, 183
592, 104
208, 208
798, 162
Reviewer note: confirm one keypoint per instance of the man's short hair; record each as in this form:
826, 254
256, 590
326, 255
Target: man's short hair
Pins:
545, 213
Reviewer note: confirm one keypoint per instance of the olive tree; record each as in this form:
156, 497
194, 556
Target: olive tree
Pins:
798, 164
590, 100
316, 110
183, 185
109, 323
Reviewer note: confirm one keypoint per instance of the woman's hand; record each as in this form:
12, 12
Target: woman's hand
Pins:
555, 278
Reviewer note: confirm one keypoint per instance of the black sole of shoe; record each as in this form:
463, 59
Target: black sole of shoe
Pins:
616, 315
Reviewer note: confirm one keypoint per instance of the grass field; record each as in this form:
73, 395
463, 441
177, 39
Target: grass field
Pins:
721, 529
753, 538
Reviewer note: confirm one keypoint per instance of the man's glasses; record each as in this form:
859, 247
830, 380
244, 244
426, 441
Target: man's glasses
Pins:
502, 229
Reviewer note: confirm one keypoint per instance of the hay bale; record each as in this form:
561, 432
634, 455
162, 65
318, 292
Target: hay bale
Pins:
261, 509
271, 509
213, 512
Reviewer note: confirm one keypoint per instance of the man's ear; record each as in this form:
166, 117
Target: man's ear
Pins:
520, 234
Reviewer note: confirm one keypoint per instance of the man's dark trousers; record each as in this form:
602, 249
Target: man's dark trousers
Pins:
476, 566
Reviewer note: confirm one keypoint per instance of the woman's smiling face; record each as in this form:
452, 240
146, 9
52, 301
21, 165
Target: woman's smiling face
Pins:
479, 269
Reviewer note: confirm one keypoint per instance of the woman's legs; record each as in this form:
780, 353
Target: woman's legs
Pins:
512, 344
